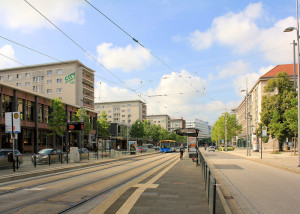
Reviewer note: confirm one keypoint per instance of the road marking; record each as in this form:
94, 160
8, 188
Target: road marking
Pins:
127, 206
35, 189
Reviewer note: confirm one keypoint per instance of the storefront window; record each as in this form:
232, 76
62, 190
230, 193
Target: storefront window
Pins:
20, 108
27, 137
29, 110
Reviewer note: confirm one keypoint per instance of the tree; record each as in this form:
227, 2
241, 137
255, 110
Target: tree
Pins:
147, 129
81, 115
57, 117
164, 134
279, 108
102, 125
233, 129
137, 130
155, 132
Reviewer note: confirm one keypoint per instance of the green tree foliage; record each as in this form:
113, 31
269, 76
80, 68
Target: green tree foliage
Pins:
81, 115
164, 134
102, 125
279, 108
155, 132
137, 130
147, 129
57, 117
218, 130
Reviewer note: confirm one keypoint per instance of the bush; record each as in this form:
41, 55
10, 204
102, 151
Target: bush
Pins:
222, 148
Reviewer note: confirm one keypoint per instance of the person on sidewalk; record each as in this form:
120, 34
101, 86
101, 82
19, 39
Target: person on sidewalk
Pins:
181, 149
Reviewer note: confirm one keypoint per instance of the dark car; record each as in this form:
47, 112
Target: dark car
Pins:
84, 153
4, 157
43, 155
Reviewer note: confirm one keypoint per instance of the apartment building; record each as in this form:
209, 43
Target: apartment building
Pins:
251, 105
123, 112
71, 81
161, 120
177, 124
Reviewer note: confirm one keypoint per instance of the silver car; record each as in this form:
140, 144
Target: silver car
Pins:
4, 159
211, 149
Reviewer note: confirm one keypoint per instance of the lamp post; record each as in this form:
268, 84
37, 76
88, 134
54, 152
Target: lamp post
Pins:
289, 29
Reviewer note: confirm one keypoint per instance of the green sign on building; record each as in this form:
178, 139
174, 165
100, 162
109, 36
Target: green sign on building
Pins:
70, 78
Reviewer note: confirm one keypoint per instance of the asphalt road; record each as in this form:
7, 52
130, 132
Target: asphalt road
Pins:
256, 187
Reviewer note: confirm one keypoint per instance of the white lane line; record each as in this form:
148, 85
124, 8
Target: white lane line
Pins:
127, 206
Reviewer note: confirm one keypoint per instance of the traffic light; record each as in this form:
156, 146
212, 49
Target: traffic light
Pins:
75, 126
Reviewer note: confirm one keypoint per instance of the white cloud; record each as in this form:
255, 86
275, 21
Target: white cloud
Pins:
16, 14
240, 31
127, 59
236, 68
7, 55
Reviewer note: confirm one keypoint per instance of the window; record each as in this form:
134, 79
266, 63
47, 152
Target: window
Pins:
49, 91
33, 79
123, 115
49, 81
27, 75
18, 84
1, 78
128, 110
27, 84
9, 77
59, 90
38, 79
128, 105
38, 88
19, 76
123, 110
123, 105
49, 72
123, 121
33, 88
59, 80
59, 71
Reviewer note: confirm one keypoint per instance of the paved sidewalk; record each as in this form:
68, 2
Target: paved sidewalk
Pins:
285, 160
179, 190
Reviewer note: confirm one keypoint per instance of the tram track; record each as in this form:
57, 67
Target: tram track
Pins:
91, 183
110, 166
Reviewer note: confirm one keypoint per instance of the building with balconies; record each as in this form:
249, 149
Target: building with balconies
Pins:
71, 81
161, 120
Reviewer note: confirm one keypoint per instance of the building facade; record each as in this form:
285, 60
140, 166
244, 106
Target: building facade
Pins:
34, 114
202, 126
248, 112
122, 112
177, 124
71, 81
161, 120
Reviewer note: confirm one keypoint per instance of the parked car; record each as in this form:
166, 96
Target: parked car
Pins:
211, 149
4, 157
145, 149
156, 147
139, 149
43, 155
84, 153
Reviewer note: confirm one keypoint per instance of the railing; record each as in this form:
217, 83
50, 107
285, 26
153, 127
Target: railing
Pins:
210, 183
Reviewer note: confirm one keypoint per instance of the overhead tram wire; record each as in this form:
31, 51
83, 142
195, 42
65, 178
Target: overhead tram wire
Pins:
12, 59
63, 62
79, 46
135, 40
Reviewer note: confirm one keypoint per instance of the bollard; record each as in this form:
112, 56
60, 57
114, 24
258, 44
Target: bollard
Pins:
61, 158
17, 162
34, 160
49, 159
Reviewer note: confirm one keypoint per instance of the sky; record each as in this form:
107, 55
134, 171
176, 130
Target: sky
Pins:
187, 59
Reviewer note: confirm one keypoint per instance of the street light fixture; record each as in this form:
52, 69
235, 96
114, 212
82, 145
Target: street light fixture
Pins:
289, 29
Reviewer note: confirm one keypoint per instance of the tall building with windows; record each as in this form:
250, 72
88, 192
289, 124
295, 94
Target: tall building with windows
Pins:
201, 125
123, 112
177, 124
161, 120
71, 81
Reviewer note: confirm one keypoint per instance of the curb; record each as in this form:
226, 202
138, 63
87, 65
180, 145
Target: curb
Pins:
230, 205
33, 173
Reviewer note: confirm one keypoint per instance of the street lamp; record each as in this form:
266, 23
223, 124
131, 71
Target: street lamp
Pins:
289, 29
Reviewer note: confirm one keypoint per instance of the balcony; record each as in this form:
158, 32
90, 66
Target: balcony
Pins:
88, 87
85, 77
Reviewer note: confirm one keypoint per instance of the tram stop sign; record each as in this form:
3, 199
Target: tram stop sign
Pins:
75, 126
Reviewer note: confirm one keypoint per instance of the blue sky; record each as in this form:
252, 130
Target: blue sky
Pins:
201, 51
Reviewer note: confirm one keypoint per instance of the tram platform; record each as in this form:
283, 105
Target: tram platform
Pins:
176, 188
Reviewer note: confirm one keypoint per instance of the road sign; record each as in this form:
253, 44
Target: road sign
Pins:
264, 131
12, 122
16, 122
75, 126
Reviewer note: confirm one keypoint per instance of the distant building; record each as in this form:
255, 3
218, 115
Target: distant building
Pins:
200, 125
161, 120
123, 112
70, 81
177, 124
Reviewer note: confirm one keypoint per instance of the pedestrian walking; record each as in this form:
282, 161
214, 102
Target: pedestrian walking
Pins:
118, 148
181, 149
